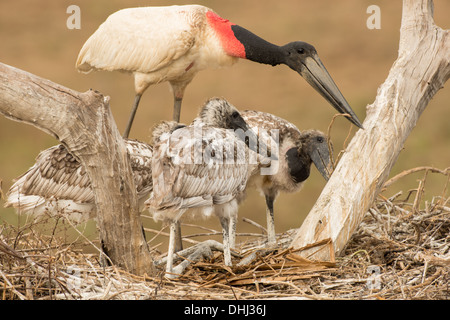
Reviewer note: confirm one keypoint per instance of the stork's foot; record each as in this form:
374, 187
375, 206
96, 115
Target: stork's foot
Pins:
192, 254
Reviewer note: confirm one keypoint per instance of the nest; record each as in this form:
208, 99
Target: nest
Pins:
401, 250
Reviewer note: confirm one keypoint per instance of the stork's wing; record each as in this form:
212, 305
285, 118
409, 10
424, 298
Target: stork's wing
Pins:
192, 172
141, 39
267, 121
58, 175
141, 155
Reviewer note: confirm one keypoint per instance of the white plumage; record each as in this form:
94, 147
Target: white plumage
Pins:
156, 44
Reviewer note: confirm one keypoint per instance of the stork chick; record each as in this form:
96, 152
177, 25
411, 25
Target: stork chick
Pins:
296, 152
199, 170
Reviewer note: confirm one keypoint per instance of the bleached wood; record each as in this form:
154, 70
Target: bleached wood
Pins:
84, 124
421, 69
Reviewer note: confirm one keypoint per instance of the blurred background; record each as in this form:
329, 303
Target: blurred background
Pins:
34, 37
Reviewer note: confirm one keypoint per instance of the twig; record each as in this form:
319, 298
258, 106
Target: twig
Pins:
402, 174
330, 146
253, 223
10, 285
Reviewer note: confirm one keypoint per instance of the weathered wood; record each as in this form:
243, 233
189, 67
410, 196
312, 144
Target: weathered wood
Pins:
84, 124
421, 69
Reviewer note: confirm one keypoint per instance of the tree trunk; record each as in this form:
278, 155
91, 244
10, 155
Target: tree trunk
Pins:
421, 69
84, 124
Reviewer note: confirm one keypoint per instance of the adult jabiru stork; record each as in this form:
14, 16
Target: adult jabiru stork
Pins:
173, 43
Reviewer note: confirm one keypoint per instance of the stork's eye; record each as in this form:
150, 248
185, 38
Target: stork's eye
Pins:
300, 51
235, 115
320, 139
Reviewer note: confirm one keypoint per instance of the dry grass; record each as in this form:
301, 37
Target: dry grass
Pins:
400, 251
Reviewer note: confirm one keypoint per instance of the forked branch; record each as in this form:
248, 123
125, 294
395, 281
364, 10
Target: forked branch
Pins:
84, 124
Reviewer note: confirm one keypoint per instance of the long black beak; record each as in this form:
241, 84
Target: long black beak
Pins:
315, 73
322, 160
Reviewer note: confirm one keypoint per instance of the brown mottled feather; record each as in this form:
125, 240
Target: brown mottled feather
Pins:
58, 176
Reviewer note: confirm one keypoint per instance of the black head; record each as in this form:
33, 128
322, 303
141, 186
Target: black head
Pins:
315, 147
297, 51
303, 58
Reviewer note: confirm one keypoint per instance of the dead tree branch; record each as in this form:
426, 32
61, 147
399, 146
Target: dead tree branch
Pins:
421, 69
84, 124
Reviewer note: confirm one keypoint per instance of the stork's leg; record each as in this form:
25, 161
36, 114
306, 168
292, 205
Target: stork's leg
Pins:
177, 109
176, 117
171, 250
178, 239
232, 232
193, 254
271, 239
137, 98
225, 222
